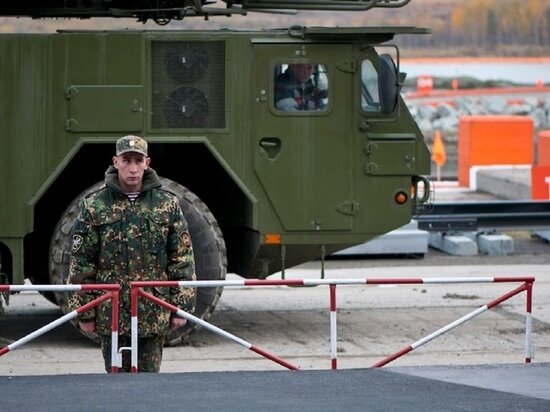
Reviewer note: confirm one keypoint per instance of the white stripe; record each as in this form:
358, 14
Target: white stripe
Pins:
43, 329
116, 358
333, 337
314, 282
459, 280
449, 327
210, 283
213, 328
528, 343
45, 288
350, 281
134, 332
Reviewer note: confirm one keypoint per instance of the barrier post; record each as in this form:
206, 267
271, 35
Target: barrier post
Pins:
528, 323
333, 331
116, 360
134, 327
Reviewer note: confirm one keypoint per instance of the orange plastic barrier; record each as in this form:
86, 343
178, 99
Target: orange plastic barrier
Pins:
540, 182
493, 140
544, 148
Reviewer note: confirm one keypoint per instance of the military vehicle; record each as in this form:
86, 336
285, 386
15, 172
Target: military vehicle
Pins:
263, 188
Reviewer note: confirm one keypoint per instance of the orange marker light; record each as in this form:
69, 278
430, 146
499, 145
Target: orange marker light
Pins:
400, 198
272, 239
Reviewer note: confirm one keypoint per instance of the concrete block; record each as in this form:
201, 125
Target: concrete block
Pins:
407, 240
453, 244
503, 181
542, 234
495, 244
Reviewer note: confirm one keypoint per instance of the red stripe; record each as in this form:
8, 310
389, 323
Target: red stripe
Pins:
528, 279
156, 283
507, 296
333, 298
114, 312
4, 350
392, 357
158, 301
134, 301
93, 303
529, 303
274, 358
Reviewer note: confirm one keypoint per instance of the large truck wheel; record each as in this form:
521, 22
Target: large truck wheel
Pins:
208, 245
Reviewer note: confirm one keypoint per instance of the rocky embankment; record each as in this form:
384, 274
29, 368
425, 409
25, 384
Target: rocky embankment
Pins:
444, 113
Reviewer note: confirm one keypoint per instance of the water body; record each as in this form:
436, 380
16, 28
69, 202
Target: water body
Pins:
521, 71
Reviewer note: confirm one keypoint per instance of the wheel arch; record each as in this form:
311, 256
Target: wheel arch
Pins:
195, 165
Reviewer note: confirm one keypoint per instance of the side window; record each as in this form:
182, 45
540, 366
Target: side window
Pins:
370, 99
301, 87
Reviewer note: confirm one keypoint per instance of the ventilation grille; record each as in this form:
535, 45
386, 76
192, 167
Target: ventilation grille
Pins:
188, 84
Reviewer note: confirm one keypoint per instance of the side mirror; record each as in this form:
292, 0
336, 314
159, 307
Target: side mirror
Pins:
388, 86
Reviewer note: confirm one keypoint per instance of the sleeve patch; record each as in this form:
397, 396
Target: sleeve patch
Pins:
77, 243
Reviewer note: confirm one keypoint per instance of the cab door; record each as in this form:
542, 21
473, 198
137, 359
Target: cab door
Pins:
303, 158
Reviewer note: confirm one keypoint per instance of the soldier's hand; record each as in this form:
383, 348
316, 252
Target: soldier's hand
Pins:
88, 328
177, 322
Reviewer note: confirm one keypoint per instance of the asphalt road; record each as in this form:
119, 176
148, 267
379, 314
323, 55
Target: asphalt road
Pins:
477, 366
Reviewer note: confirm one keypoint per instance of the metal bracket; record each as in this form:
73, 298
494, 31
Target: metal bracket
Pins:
71, 92
71, 124
348, 208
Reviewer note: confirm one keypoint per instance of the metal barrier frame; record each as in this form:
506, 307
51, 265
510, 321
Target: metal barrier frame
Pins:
112, 292
527, 286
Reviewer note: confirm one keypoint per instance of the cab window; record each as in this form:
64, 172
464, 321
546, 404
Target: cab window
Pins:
300, 87
370, 99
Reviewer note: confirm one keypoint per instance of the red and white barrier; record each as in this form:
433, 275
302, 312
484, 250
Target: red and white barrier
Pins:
112, 292
137, 292
526, 286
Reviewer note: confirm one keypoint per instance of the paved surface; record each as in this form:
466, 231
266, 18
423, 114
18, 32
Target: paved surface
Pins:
439, 389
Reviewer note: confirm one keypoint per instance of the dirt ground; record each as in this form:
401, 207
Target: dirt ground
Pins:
293, 323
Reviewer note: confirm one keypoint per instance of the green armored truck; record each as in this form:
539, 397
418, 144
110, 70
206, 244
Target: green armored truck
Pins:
267, 177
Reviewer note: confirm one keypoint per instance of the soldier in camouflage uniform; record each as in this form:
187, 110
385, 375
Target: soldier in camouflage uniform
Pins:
131, 229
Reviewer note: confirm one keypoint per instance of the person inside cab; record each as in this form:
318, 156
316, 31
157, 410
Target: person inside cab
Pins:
301, 87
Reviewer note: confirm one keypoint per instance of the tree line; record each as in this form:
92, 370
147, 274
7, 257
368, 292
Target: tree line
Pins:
490, 25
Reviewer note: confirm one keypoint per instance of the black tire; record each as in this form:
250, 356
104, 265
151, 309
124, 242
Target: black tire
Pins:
210, 254
208, 245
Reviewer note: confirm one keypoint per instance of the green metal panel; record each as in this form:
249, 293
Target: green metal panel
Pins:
104, 108
103, 58
390, 157
24, 121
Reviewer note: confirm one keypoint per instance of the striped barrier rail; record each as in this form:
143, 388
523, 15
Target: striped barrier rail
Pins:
527, 286
111, 292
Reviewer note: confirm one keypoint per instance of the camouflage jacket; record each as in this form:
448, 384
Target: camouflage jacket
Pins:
115, 241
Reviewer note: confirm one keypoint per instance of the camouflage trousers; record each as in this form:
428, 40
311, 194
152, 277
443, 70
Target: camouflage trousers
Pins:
149, 353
